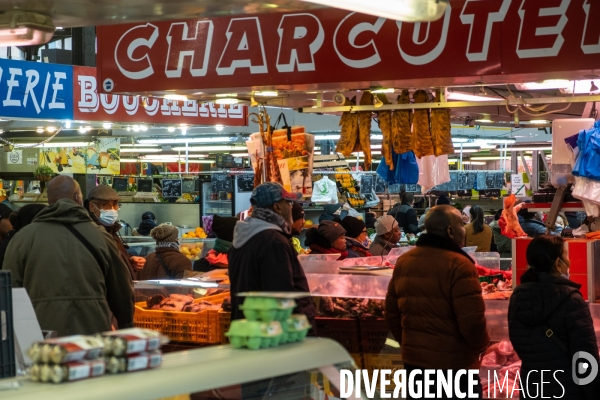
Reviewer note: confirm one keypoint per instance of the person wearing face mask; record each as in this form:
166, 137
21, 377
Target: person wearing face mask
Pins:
167, 262
328, 238
70, 267
357, 240
103, 206
388, 234
549, 322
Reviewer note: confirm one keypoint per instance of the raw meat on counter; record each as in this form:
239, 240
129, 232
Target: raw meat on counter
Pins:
500, 358
483, 271
509, 222
338, 307
179, 302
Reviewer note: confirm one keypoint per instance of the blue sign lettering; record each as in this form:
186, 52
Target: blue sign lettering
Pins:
35, 90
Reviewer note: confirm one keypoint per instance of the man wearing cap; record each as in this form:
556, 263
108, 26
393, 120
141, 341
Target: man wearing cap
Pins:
70, 267
262, 257
388, 234
297, 225
103, 206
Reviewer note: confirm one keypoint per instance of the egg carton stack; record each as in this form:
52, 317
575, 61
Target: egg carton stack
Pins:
78, 357
269, 322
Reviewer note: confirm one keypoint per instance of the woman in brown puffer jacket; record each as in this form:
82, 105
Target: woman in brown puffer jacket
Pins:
166, 262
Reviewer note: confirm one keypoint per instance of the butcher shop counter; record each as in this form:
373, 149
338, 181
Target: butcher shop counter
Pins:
289, 371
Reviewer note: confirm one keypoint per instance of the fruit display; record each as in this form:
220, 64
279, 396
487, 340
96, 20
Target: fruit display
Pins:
308, 223
197, 233
191, 250
347, 186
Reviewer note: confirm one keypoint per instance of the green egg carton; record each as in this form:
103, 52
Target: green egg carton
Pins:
254, 334
295, 328
267, 309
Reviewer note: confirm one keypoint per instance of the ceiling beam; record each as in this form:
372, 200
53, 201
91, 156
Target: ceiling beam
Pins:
454, 104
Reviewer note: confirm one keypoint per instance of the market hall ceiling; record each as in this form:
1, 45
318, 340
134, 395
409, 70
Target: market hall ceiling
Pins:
78, 13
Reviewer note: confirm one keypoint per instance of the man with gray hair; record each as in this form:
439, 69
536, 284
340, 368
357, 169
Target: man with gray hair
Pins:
434, 306
70, 267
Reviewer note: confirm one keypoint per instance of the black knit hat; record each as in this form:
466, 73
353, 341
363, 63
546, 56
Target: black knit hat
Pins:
5, 211
297, 212
223, 227
353, 226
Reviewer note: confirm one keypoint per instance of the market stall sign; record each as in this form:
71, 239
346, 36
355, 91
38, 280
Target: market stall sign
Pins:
89, 105
35, 90
489, 41
221, 183
245, 183
171, 188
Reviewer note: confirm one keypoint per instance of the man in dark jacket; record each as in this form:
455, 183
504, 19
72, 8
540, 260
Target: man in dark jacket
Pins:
405, 214
75, 278
262, 257
434, 305
103, 205
532, 226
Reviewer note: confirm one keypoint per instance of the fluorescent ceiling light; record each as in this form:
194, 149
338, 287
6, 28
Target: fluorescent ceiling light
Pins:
134, 145
458, 150
464, 96
547, 84
226, 95
484, 120
474, 162
190, 140
400, 10
460, 140
57, 144
383, 90
266, 93
537, 121
582, 87
219, 127
527, 148
227, 100
139, 150
177, 97
22, 28
135, 160
211, 148
492, 158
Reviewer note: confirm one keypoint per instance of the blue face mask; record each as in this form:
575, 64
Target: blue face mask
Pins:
108, 217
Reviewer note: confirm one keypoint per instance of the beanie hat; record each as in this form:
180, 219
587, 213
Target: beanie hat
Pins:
385, 224
442, 200
148, 215
297, 212
223, 227
331, 230
353, 226
165, 233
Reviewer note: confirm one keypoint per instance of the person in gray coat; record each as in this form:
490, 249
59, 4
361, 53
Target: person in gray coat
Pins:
388, 234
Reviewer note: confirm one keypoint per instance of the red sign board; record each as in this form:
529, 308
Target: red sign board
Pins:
89, 105
476, 40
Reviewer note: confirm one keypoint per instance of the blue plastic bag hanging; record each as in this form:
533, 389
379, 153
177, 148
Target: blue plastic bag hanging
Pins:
589, 153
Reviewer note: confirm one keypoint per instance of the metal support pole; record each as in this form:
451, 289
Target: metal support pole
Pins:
84, 46
514, 162
535, 171
187, 160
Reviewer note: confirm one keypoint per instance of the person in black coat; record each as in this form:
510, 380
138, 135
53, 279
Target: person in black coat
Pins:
548, 322
18, 220
262, 258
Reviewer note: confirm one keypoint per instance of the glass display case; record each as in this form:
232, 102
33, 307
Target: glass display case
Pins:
307, 370
216, 201
143, 245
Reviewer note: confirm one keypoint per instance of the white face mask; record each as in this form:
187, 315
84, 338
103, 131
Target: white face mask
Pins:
108, 217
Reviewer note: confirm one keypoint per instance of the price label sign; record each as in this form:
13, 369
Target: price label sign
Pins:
517, 186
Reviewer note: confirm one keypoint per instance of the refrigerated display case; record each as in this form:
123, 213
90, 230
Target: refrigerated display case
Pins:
292, 371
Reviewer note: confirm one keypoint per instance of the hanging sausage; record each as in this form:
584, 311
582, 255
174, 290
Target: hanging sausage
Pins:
349, 130
402, 138
385, 123
421, 130
440, 129
364, 123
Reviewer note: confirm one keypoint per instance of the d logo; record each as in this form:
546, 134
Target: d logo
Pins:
590, 365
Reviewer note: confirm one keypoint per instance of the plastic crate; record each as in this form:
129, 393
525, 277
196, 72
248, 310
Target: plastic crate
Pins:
383, 361
345, 331
374, 333
358, 360
184, 327
224, 322
7, 344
